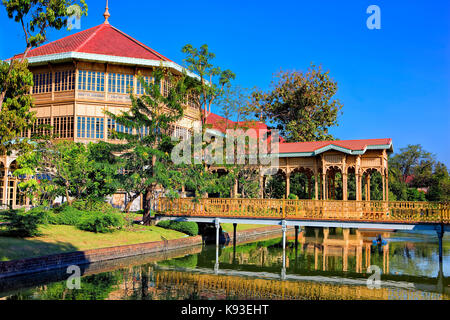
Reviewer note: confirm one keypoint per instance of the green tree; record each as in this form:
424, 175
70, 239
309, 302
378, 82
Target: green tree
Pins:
205, 90
212, 80
39, 188
409, 159
15, 115
276, 187
397, 187
415, 195
73, 170
413, 161
234, 104
439, 189
300, 104
36, 17
94, 287
145, 154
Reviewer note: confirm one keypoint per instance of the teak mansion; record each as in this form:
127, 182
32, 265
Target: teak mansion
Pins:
77, 77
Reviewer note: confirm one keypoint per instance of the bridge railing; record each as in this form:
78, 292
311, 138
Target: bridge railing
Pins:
371, 211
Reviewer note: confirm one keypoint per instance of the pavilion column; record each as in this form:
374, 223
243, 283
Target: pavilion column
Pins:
261, 186
384, 187
361, 186
309, 187
368, 187
365, 188
235, 188
344, 186
5, 187
358, 186
326, 232
333, 181
316, 186
329, 187
14, 193
387, 186
324, 187
288, 184
346, 234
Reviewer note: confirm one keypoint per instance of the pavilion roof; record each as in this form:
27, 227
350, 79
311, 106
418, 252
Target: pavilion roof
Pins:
346, 146
103, 39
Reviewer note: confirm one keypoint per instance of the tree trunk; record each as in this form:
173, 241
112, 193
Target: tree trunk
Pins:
130, 203
148, 197
69, 202
146, 218
2, 98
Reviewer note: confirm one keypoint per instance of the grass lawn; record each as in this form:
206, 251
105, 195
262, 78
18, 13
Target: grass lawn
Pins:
228, 227
58, 239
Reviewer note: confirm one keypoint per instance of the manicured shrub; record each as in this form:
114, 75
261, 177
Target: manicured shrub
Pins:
68, 216
100, 222
93, 205
23, 223
164, 224
293, 197
190, 228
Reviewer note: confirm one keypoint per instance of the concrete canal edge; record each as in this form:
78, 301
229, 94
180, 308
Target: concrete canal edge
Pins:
61, 260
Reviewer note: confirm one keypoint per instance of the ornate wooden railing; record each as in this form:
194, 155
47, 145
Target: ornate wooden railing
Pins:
370, 211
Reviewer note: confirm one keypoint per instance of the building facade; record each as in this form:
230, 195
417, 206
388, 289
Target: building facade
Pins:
79, 77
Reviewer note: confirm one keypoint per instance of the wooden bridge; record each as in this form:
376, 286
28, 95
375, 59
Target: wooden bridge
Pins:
265, 211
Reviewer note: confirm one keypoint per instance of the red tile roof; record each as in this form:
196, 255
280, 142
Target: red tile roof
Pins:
221, 124
353, 145
409, 179
103, 39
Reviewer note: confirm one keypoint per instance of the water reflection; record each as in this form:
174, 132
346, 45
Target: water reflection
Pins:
345, 252
324, 265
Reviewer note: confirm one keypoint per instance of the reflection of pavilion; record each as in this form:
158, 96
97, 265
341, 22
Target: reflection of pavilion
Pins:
345, 246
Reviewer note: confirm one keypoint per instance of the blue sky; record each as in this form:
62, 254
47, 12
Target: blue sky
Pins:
393, 82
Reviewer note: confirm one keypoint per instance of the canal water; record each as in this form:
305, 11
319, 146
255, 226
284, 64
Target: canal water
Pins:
316, 266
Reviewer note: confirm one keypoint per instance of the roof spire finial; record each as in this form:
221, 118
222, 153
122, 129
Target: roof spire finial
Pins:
106, 14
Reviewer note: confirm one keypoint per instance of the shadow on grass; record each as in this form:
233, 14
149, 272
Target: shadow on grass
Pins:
17, 248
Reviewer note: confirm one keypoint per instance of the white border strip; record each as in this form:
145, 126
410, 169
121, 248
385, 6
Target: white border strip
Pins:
111, 59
